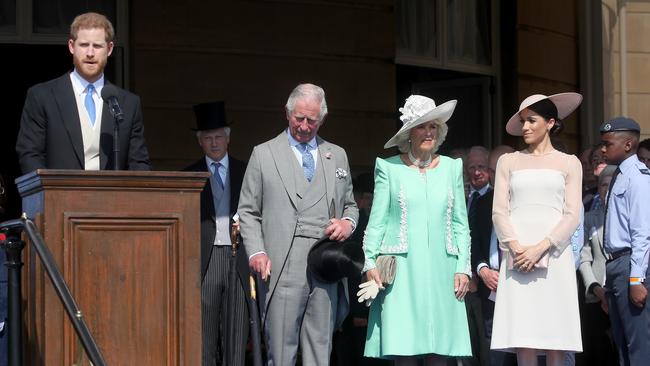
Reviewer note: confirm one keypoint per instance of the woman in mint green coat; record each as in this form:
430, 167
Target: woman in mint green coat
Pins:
419, 216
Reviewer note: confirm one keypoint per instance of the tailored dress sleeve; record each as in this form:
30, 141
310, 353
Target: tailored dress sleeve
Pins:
501, 206
378, 215
562, 232
250, 206
459, 225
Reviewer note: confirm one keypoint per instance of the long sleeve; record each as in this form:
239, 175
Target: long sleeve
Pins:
561, 233
586, 254
138, 158
31, 141
460, 226
501, 206
250, 206
638, 227
378, 216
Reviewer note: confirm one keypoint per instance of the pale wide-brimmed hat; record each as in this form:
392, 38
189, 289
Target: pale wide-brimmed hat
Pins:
417, 110
564, 102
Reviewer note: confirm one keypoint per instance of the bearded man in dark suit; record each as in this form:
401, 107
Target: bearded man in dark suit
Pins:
66, 124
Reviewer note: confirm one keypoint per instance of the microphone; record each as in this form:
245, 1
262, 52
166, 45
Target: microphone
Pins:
109, 94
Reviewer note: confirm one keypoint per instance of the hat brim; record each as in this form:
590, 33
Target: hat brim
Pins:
330, 261
565, 103
442, 112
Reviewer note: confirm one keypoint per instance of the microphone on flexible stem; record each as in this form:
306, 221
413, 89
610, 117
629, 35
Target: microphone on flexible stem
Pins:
109, 94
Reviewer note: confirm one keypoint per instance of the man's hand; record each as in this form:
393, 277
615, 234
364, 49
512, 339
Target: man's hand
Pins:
600, 294
260, 263
490, 278
339, 230
638, 295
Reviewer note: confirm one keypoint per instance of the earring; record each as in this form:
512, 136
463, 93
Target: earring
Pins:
409, 140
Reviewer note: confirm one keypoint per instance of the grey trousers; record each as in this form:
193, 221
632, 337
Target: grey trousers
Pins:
630, 324
301, 313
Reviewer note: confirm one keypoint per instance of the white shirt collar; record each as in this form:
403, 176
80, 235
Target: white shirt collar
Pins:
79, 84
293, 142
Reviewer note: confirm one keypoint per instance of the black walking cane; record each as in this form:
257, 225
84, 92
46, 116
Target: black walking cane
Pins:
251, 299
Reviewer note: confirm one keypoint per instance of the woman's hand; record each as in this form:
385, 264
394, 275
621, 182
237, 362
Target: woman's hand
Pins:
373, 274
525, 261
461, 285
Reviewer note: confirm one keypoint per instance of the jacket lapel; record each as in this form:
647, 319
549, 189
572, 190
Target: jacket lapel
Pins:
284, 157
65, 100
329, 170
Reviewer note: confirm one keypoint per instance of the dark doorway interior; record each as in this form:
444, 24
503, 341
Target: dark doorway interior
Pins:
24, 66
472, 120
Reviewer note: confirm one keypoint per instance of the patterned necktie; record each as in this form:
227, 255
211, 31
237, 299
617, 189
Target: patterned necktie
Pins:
607, 199
308, 165
216, 174
89, 103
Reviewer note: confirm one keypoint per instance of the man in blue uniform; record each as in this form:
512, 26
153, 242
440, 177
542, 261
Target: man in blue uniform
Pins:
627, 241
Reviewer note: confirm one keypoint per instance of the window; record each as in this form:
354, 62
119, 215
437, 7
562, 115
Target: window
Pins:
448, 34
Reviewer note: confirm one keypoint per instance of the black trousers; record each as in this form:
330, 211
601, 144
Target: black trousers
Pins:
220, 348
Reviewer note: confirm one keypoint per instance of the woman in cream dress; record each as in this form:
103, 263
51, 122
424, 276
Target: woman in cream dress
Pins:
537, 205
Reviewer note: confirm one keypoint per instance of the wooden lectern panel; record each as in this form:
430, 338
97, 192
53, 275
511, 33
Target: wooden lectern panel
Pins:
134, 263
128, 246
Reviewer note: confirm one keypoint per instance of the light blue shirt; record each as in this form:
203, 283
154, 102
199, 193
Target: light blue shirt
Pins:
578, 238
628, 214
223, 169
313, 148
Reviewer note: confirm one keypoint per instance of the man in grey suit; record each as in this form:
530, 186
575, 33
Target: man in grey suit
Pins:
297, 189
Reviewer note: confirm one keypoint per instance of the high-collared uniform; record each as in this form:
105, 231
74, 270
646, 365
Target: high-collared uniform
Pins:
627, 240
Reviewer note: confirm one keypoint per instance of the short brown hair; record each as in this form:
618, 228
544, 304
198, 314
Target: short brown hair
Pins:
89, 21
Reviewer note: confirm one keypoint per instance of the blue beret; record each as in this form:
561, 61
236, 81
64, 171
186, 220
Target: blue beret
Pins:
620, 124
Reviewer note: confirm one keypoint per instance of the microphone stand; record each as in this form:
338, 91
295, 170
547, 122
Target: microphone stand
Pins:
116, 140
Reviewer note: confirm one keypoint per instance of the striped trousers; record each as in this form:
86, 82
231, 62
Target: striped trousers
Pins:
219, 347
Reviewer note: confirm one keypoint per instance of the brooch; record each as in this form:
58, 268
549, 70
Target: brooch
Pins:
328, 155
341, 173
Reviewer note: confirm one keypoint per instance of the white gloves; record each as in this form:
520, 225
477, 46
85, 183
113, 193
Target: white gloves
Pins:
368, 292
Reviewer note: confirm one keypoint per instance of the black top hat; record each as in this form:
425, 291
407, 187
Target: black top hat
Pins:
210, 116
330, 260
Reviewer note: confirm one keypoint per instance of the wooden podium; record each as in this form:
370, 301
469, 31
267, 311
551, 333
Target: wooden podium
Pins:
128, 246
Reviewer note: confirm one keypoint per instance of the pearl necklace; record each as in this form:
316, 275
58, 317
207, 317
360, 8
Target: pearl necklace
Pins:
420, 163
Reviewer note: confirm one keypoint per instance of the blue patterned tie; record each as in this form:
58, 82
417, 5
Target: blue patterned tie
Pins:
216, 174
308, 165
89, 102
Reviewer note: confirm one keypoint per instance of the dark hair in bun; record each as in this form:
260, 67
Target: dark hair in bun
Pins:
547, 109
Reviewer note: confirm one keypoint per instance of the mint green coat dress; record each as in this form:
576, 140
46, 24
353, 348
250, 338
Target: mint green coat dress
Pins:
421, 218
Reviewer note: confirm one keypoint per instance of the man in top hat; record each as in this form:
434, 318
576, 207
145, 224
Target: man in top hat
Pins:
219, 201
65, 122
297, 189
626, 236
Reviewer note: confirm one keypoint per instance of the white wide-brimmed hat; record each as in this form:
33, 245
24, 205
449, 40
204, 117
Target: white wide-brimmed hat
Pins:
418, 110
564, 102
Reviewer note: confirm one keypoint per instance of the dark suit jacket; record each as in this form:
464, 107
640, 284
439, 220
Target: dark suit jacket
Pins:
50, 130
236, 171
481, 231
